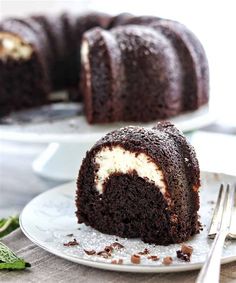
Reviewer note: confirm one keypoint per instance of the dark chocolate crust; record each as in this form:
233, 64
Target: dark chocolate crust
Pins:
141, 68
133, 207
53, 29
191, 55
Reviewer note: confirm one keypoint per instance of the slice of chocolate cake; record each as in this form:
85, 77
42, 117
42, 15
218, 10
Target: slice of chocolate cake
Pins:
144, 183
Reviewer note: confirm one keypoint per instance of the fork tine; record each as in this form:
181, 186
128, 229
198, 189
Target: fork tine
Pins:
227, 214
224, 211
232, 230
210, 271
216, 215
227, 209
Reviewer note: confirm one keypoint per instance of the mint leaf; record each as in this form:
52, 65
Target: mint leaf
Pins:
7, 225
9, 260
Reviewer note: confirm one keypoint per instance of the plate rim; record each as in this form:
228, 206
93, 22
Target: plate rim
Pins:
116, 267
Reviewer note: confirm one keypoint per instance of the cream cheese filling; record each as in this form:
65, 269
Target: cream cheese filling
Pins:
12, 46
118, 160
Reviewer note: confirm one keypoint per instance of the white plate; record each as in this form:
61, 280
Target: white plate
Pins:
49, 218
65, 123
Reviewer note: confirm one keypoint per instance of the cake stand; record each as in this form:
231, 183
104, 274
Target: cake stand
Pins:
68, 135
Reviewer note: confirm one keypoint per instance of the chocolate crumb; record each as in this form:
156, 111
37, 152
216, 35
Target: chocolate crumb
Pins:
185, 252
117, 246
92, 252
145, 252
183, 256
108, 249
71, 243
115, 261
187, 249
104, 254
200, 226
135, 259
70, 235
153, 257
167, 260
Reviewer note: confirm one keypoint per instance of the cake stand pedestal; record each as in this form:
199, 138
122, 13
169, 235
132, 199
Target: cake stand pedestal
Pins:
60, 161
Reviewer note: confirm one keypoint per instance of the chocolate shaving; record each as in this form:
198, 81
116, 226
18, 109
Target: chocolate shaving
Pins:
92, 252
145, 252
70, 235
115, 261
135, 259
71, 243
187, 249
167, 260
117, 246
153, 257
104, 254
185, 253
183, 256
108, 249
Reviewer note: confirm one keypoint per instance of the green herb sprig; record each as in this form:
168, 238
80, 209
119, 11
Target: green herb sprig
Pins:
8, 259
7, 225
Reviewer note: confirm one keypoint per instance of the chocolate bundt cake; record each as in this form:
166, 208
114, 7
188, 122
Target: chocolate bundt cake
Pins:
146, 69
123, 68
143, 183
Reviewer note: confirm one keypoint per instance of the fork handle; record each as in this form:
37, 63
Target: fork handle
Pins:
210, 271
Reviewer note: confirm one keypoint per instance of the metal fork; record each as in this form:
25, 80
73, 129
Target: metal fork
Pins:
222, 226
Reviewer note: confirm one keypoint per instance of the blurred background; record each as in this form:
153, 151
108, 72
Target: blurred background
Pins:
213, 22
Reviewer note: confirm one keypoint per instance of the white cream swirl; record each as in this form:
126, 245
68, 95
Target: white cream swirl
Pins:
118, 160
